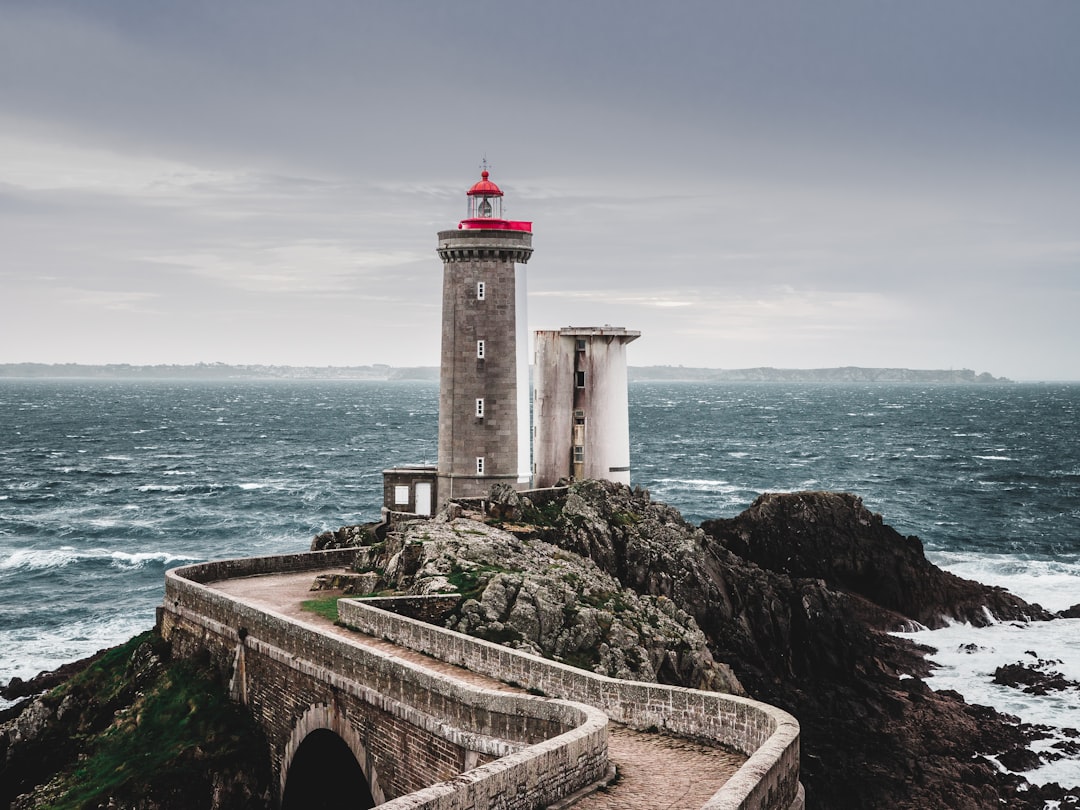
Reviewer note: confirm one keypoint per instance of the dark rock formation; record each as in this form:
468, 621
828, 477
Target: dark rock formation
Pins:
132, 729
1038, 678
833, 537
795, 595
345, 537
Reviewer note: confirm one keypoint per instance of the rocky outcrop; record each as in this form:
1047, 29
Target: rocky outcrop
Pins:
132, 729
1038, 677
535, 596
808, 635
832, 537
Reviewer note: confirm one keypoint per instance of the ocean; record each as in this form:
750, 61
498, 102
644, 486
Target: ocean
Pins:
106, 484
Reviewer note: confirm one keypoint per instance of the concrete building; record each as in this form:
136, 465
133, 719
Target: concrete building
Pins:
484, 377
580, 405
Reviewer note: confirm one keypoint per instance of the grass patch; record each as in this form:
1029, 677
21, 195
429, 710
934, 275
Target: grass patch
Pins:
326, 607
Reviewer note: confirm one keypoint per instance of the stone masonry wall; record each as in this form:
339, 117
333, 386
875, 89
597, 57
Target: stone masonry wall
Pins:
411, 729
769, 780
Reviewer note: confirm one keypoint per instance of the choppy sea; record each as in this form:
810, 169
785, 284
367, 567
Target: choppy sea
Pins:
104, 485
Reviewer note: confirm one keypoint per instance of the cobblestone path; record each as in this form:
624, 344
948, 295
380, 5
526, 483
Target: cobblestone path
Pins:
657, 771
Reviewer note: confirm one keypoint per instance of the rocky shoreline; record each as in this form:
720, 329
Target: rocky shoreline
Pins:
792, 602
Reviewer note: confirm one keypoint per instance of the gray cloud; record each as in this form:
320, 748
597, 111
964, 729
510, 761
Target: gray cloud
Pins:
787, 183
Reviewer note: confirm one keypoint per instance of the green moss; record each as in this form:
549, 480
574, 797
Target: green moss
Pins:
169, 727
546, 515
470, 582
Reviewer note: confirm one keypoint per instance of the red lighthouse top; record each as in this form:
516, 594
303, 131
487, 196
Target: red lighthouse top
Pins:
485, 209
485, 188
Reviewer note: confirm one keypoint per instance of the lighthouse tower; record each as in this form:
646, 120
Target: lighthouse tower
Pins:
484, 377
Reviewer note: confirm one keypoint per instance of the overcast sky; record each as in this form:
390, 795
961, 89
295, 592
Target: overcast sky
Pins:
794, 184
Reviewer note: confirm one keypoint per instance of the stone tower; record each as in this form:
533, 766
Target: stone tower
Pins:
484, 375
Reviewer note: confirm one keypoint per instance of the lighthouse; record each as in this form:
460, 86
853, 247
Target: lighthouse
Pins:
484, 369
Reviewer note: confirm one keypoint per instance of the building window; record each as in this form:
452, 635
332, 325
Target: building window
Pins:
480, 350
479, 465
481, 290
581, 344
479, 407
579, 454
579, 417
579, 379
401, 496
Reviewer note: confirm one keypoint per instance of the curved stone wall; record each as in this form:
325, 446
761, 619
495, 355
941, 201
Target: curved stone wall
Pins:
769, 737
546, 749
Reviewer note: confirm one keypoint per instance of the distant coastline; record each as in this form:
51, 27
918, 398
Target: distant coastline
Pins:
380, 372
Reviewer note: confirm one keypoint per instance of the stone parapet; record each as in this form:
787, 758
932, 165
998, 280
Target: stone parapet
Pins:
769, 737
283, 669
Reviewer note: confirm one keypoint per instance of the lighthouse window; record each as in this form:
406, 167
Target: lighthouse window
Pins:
579, 454
479, 407
480, 349
480, 291
581, 344
579, 379
479, 465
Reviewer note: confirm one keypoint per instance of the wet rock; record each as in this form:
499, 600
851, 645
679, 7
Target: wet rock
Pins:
1038, 678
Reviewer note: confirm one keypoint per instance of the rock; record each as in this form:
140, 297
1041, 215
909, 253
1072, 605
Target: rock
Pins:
794, 595
106, 702
345, 537
790, 601
1034, 679
532, 595
1020, 760
831, 536
44, 681
505, 503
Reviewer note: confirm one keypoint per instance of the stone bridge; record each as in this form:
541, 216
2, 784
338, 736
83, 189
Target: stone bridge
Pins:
393, 712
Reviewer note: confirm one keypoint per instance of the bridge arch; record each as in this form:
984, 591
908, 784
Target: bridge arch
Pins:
324, 761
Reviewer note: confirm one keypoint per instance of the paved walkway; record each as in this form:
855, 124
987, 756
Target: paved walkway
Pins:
654, 770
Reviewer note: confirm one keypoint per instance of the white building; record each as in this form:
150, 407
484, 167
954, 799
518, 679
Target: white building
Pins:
581, 420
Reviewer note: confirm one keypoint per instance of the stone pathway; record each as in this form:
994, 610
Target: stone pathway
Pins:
654, 770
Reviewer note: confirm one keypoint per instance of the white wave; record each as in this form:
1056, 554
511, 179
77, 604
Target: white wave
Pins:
698, 485
27, 651
253, 485
43, 559
159, 488
38, 559
996, 458
124, 559
1052, 583
968, 657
